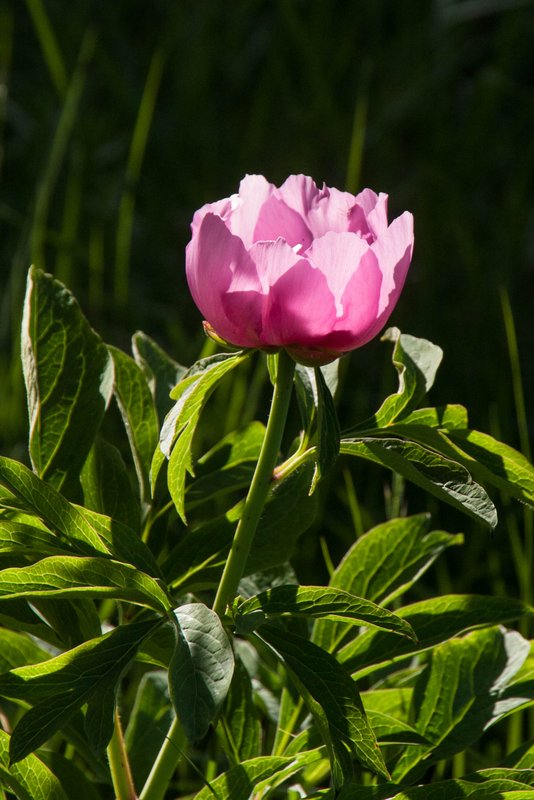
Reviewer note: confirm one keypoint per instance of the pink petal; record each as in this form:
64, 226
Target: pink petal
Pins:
330, 212
276, 220
215, 261
299, 192
377, 218
254, 191
394, 252
272, 260
338, 257
300, 308
360, 303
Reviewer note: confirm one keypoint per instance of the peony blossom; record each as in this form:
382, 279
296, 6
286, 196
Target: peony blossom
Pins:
315, 271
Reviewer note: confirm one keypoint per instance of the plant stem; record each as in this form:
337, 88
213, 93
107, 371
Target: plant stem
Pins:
259, 487
163, 768
119, 765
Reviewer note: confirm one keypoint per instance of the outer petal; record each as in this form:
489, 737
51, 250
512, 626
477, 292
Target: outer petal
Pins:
254, 191
394, 252
215, 261
300, 308
272, 260
338, 257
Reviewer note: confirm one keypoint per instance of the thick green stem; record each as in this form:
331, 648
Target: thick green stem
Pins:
163, 768
119, 765
259, 487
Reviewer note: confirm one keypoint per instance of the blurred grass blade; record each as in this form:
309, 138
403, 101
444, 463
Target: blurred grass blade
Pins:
133, 170
58, 149
49, 46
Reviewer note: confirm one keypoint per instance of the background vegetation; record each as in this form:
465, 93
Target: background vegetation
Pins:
118, 120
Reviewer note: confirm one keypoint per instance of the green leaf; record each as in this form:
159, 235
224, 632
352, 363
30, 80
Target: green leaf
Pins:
328, 432
30, 779
445, 479
148, 724
17, 615
69, 378
449, 416
457, 697
106, 485
74, 782
197, 561
332, 697
254, 777
487, 459
30, 540
416, 361
434, 621
84, 530
227, 467
201, 668
179, 427
162, 373
383, 564
318, 601
389, 730
72, 576
57, 688
139, 415
239, 725
18, 649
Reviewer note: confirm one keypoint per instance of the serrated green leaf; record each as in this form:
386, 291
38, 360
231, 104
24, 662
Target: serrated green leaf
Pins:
179, 427
72, 576
139, 415
333, 699
162, 373
319, 601
148, 724
445, 479
106, 485
57, 688
201, 668
239, 725
86, 531
434, 621
416, 361
30, 779
457, 697
68, 375
382, 564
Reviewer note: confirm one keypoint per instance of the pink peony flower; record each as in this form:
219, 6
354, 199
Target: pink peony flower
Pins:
315, 271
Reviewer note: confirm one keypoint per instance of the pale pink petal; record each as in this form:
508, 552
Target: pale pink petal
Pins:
330, 211
276, 220
272, 260
377, 218
300, 308
299, 192
338, 256
215, 260
254, 191
363, 204
394, 251
222, 208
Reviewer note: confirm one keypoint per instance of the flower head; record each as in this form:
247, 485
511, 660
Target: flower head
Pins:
315, 271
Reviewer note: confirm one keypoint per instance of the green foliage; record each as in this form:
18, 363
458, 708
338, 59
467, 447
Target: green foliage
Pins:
362, 688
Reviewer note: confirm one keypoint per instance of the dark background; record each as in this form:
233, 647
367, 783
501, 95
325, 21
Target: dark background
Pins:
119, 119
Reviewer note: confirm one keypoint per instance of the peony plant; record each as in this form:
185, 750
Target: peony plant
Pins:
155, 640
